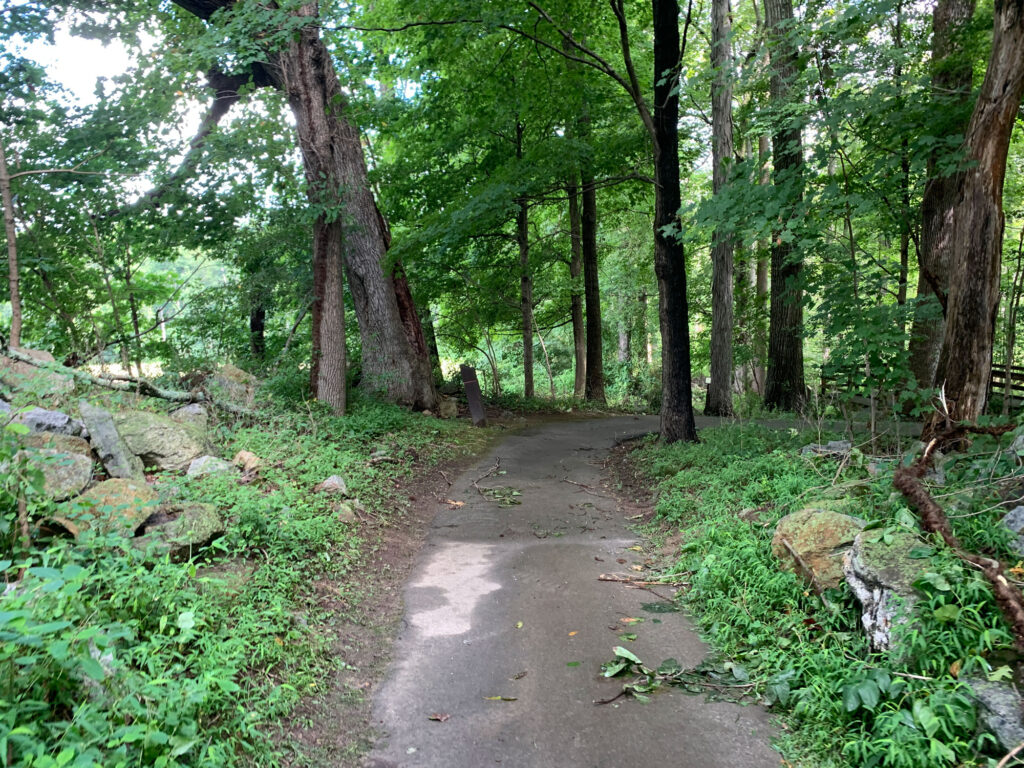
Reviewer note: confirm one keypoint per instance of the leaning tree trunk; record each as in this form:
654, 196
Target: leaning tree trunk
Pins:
951, 93
348, 233
977, 224
677, 422
784, 388
579, 336
12, 249
719, 401
592, 289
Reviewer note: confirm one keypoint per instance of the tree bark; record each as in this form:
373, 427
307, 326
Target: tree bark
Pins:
427, 323
785, 387
258, 331
579, 336
719, 400
951, 93
525, 296
976, 234
7, 198
349, 233
677, 421
592, 288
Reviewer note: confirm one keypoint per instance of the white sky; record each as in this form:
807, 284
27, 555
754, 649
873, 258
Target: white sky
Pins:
76, 63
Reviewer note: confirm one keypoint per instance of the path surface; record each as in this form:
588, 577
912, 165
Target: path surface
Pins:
484, 569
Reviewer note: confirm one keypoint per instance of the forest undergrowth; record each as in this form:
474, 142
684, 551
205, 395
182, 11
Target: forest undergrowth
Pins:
805, 654
114, 657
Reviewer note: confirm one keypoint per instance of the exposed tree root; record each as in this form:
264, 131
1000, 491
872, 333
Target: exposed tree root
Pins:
908, 481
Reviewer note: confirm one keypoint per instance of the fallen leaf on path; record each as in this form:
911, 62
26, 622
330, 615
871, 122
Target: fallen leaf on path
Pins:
637, 567
573, 663
439, 716
620, 560
628, 637
634, 517
636, 549
518, 675
572, 634
454, 504
519, 625
500, 698
630, 620
599, 559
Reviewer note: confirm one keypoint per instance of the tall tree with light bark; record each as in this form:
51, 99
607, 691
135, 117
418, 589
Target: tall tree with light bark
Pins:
784, 388
719, 398
350, 237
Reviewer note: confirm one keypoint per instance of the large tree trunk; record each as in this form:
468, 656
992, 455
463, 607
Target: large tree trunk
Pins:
525, 278
677, 422
977, 223
257, 330
348, 229
7, 200
785, 388
579, 336
719, 401
951, 93
592, 288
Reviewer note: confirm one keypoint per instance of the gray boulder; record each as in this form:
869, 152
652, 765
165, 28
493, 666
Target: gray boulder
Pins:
233, 384
194, 414
1014, 523
42, 420
112, 450
812, 542
180, 529
333, 484
64, 474
58, 442
881, 575
208, 465
160, 441
999, 709
113, 506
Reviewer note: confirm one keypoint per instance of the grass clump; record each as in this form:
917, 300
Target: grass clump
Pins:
841, 703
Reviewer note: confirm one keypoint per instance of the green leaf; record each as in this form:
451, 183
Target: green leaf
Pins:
186, 620
573, 663
622, 653
851, 699
921, 553
948, 612
612, 668
92, 668
670, 667
868, 693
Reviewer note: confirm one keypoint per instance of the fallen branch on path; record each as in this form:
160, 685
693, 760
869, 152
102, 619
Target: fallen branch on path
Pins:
585, 488
621, 578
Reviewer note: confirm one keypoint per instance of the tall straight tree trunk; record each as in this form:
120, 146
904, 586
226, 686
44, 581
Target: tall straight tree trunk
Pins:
719, 401
785, 388
7, 199
258, 330
394, 363
427, 323
592, 289
525, 278
677, 421
579, 336
951, 93
977, 224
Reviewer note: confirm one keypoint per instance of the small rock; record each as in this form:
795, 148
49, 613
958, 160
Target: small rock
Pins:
881, 574
333, 484
208, 465
194, 414
117, 458
812, 542
507, 414
346, 514
428, 412
249, 462
113, 506
448, 408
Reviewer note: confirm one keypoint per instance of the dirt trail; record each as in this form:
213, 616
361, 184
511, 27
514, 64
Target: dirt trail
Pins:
504, 601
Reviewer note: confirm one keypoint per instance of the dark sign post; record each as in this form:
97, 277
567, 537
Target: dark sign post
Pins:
476, 403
